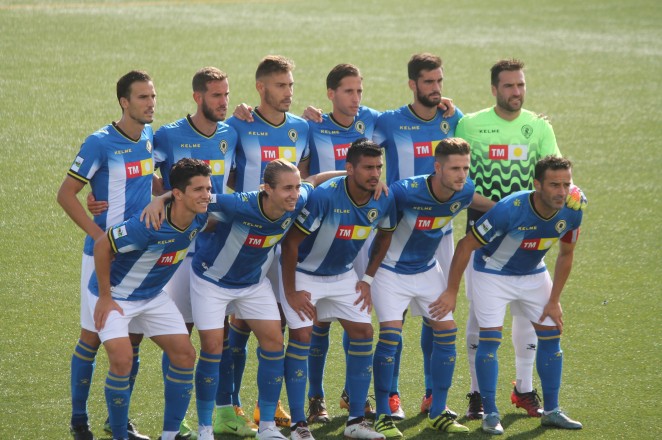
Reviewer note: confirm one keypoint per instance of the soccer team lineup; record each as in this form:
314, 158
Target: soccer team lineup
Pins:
268, 223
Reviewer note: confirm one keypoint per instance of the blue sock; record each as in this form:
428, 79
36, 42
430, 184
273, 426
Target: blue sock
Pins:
135, 366
225, 388
358, 374
443, 358
296, 376
319, 347
270, 372
549, 363
426, 348
82, 369
118, 397
487, 368
238, 340
165, 364
178, 389
383, 364
395, 380
345, 347
206, 383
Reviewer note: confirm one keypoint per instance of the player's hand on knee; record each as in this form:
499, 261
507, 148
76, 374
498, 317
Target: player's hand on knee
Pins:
300, 303
576, 199
554, 311
96, 207
443, 305
102, 309
243, 112
365, 297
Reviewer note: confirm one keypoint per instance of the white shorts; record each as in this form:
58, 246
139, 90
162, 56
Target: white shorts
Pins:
444, 253
273, 274
86, 314
210, 302
179, 289
527, 295
156, 316
392, 293
362, 258
333, 297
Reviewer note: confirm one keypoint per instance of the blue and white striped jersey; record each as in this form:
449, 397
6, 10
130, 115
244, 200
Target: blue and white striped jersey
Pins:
146, 259
421, 222
181, 139
328, 141
119, 170
516, 238
242, 247
260, 143
409, 141
337, 227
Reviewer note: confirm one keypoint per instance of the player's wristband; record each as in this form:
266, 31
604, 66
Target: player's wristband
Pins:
367, 279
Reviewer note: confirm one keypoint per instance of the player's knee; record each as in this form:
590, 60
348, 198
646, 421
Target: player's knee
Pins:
120, 363
303, 334
136, 338
183, 357
90, 338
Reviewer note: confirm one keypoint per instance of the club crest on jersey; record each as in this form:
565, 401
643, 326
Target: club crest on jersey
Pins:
372, 215
286, 223
360, 126
293, 135
527, 131
193, 233
560, 226
148, 146
455, 206
445, 126
223, 146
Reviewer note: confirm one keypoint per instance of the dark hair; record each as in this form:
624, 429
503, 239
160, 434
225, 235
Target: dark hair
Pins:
550, 163
124, 83
449, 146
273, 64
185, 169
275, 168
362, 147
205, 75
509, 65
339, 72
420, 62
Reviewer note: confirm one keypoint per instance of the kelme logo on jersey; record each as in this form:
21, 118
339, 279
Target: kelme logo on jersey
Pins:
78, 162
340, 151
508, 152
360, 126
172, 258
139, 168
431, 223
262, 241
538, 244
424, 149
217, 166
273, 153
353, 232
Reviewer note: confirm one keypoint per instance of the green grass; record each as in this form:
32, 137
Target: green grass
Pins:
593, 67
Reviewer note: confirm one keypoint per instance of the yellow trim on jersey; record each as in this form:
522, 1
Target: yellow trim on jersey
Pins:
477, 235
113, 246
78, 177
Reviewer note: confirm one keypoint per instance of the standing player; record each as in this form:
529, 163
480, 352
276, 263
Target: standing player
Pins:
318, 280
132, 265
270, 133
117, 163
410, 275
510, 242
506, 142
408, 136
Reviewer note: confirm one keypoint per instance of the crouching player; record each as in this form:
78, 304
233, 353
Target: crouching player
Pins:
133, 264
510, 242
410, 275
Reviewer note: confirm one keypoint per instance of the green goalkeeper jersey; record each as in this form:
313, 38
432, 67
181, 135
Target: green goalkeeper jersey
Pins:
504, 153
